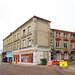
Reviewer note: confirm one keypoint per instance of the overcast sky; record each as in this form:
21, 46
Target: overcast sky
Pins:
13, 13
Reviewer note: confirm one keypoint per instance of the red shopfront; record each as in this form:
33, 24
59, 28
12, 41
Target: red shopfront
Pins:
16, 56
27, 56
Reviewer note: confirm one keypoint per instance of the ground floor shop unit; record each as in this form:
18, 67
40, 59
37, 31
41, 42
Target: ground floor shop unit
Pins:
29, 56
9, 56
66, 55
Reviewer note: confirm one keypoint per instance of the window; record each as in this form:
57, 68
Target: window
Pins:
15, 37
64, 35
71, 36
65, 44
11, 47
51, 33
7, 48
72, 45
51, 42
9, 40
24, 32
17, 45
58, 44
56, 34
18, 36
29, 41
29, 29
59, 34
23, 43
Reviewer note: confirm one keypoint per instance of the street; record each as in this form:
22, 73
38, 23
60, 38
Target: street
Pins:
9, 69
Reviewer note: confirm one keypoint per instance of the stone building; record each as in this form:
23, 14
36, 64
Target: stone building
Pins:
62, 44
29, 42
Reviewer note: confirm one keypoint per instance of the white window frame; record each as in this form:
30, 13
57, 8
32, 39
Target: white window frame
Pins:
57, 44
17, 45
29, 29
24, 43
72, 45
65, 42
23, 31
17, 35
29, 41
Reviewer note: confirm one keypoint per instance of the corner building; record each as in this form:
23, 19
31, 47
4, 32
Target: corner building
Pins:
29, 42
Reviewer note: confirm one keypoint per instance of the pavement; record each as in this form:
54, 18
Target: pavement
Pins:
12, 69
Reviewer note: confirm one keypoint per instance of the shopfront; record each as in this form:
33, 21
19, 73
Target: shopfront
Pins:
16, 57
9, 56
27, 56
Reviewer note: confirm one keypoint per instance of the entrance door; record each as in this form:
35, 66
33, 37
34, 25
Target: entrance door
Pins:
58, 56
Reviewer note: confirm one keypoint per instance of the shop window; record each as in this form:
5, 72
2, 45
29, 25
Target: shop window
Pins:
57, 44
65, 44
29, 41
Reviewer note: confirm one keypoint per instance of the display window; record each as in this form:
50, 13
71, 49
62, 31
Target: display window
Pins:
27, 58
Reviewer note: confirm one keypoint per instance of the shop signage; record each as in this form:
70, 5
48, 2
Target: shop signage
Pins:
9, 54
63, 64
26, 52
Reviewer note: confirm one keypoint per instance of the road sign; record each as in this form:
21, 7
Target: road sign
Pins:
63, 64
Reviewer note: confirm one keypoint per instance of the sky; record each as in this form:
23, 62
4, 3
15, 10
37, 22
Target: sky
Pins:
13, 13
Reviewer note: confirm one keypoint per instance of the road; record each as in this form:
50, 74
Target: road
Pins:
8, 69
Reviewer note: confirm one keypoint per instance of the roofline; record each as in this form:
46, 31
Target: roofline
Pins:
62, 30
25, 23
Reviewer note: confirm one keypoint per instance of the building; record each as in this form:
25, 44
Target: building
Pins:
29, 42
62, 44
35, 40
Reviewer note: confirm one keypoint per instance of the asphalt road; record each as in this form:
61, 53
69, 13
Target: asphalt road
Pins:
8, 69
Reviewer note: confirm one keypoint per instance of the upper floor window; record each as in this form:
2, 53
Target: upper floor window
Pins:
65, 44
71, 36
15, 37
24, 32
29, 29
23, 43
51, 41
7, 48
51, 33
58, 44
56, 34
18, 36
17, 45
11, 47
9, 40
72, 45
64, 35
29, 41
59, 34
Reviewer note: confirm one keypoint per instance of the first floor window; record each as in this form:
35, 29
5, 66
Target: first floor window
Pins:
58, 44
72, 45
18, 45
23, 43
29, 41
51, 42
65, 44
15, 46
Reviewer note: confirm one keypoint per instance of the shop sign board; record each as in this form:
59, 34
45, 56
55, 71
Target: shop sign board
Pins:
26, 52
63, 63
9, 54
